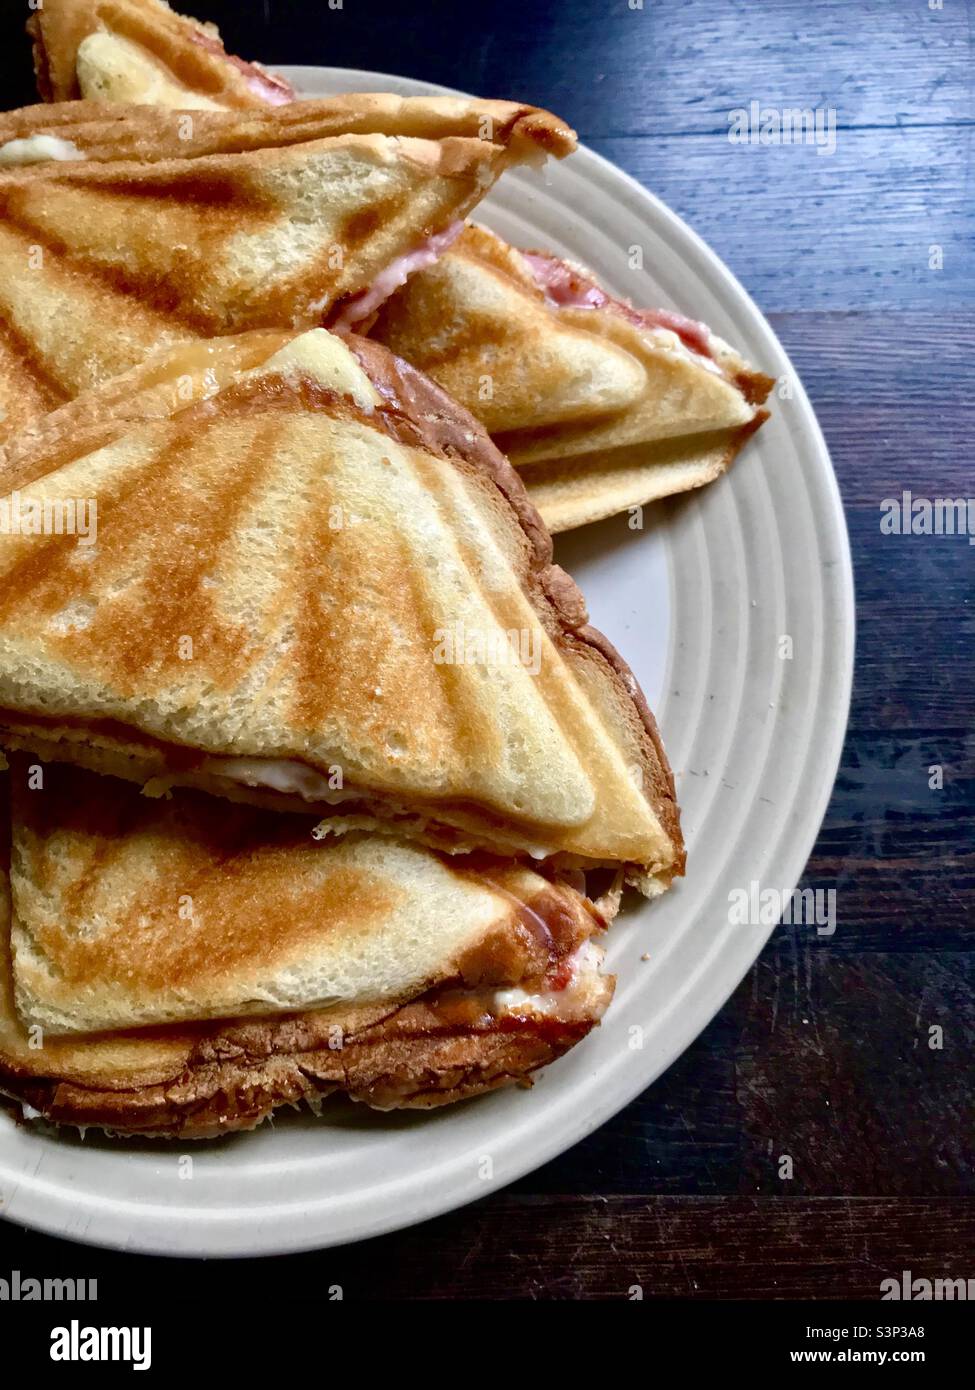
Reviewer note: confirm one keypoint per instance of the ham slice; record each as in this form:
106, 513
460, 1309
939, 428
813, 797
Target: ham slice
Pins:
355, 311
268, 86
565, 287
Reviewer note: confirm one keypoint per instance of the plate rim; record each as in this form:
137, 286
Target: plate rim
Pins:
39, 1217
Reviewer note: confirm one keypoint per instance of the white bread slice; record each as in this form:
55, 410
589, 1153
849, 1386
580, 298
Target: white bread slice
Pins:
251, 220
129, 911
585, 488
575, 765
141, 50
683, 394
93, 858
477, 324
604, 405
271, 237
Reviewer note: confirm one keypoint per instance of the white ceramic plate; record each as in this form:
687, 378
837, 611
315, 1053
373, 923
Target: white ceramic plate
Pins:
697, 601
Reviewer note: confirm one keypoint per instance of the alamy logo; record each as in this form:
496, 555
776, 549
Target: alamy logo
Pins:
756, 124
77, 1343
926, 1290
908, 515
17, 1289
49, 516
756, 906
460, 645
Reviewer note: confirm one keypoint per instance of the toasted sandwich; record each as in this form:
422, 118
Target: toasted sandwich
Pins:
611, 406
321, 585
142, 51
137, 239
183, 967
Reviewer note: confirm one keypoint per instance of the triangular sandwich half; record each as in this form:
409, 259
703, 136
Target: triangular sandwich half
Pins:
320, 585
150, 239
142, 51
567, 378
186, 966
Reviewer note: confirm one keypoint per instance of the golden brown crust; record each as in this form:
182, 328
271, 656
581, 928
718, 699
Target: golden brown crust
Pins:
585, 488
191, 51
755, 387
224, 1097
417, 412
148, 133
231, 1077
42, 65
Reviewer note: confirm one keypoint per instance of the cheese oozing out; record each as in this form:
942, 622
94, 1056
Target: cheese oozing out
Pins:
35, 149
582, 971
112, 68
278, 775
387, 282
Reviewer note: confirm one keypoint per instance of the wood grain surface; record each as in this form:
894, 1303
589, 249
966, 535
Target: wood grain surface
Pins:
822, 1054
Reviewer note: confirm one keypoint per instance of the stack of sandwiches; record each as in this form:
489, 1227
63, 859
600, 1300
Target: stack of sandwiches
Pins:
317, 778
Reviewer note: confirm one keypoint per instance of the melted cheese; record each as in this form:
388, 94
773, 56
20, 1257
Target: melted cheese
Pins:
584, 966
278, 775
325, 358
111, 68
35, 149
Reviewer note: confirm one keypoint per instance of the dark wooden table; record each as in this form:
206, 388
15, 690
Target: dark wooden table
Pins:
823, 1052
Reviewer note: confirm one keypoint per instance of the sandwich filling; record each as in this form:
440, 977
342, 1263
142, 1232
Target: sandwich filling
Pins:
324, 396
359, 311
112, 68
567, 287
35, 149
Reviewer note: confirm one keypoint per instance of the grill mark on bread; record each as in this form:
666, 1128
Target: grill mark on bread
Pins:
362, 224
36, 368
43, 569
176, 54
416, 412
224, 934
314, 622
226, 205
27, 388
226, 859
203, 189
176, 604
476, 335
453, 712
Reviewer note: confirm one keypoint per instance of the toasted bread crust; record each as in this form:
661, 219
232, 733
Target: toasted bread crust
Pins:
219, 1079
41, 60
417, 412
190, 50
585, 488
220, 1097
150, 134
